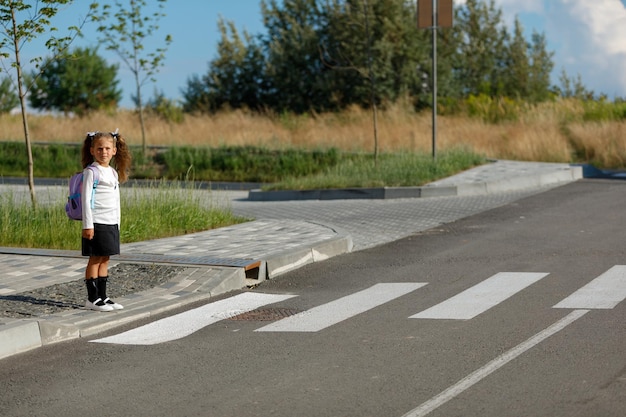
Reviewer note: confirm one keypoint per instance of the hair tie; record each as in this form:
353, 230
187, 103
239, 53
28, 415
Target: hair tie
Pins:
90, 135
115, 134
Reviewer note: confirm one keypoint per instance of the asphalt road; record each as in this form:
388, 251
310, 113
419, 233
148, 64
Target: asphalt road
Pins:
482, 318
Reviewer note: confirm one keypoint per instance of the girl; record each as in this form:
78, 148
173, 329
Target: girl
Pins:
101, 217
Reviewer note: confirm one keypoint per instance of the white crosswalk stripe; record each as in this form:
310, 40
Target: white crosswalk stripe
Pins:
184, 324
326, 315
481, 297
604, 292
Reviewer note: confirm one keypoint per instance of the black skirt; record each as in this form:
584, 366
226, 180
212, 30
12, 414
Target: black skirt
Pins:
105, 242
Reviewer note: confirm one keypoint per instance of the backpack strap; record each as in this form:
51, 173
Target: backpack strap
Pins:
96, 179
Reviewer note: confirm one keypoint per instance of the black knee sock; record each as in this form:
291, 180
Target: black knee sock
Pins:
92, 290
101, 284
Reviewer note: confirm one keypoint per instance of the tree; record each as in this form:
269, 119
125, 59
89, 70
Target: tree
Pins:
379, 40
517, 69
334, 50
541, 67
327, 55
292, 53
528, 67
573, 87
196, 95
8, 98
22, 22
78, 83
125, 32
315, 56
166, 109
341, 57
481, 53
236, 79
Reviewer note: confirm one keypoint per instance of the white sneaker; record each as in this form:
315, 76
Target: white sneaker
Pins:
97, 305
111, 303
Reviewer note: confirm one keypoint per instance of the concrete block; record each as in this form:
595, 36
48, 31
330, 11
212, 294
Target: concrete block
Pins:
52, 332
332, 247
115, 319
227, 280
18, 337
284, 262
439, 191
402, 192
352, 194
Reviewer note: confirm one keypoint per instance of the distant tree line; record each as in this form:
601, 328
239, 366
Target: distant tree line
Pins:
325, 56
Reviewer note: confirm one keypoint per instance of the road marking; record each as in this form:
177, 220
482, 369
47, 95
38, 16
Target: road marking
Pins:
184, 324
326, 315
481, 297
475, 377
604, 292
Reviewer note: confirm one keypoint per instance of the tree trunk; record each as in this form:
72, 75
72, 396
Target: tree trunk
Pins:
372, 79
375, 117
29, 151
141, 119
22, 96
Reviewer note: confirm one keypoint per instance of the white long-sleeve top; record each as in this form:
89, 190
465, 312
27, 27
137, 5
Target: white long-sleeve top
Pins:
106, 205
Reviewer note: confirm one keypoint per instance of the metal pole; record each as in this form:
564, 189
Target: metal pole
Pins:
434, 78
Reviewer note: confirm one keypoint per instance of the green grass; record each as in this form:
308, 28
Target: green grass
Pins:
288, 168
160, 211
164, 210
226, 163
170, 210
243, 163
391, 170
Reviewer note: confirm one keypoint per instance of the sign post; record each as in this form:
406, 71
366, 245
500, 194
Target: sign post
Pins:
434, 14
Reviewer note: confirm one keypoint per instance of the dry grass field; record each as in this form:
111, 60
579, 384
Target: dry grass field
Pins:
551, 132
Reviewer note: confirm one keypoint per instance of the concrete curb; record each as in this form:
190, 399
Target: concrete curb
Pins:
512, 183
538, 180
197, 283
282, 262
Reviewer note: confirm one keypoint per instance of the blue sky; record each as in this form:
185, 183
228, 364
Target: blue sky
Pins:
588, 38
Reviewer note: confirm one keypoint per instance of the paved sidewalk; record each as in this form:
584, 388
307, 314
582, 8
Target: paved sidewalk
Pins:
286, 235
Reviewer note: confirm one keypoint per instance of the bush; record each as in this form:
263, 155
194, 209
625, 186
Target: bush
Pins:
494, 110
166, 109
603, 110
244, 164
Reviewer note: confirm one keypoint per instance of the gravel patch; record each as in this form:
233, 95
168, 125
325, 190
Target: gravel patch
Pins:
124, 279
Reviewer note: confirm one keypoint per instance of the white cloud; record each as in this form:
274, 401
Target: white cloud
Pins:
591, 40
588, 38
605, 20
513, 6
516, 6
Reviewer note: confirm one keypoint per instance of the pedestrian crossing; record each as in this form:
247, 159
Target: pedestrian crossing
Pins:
326, 315
604, 292
481, 297
183, 324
